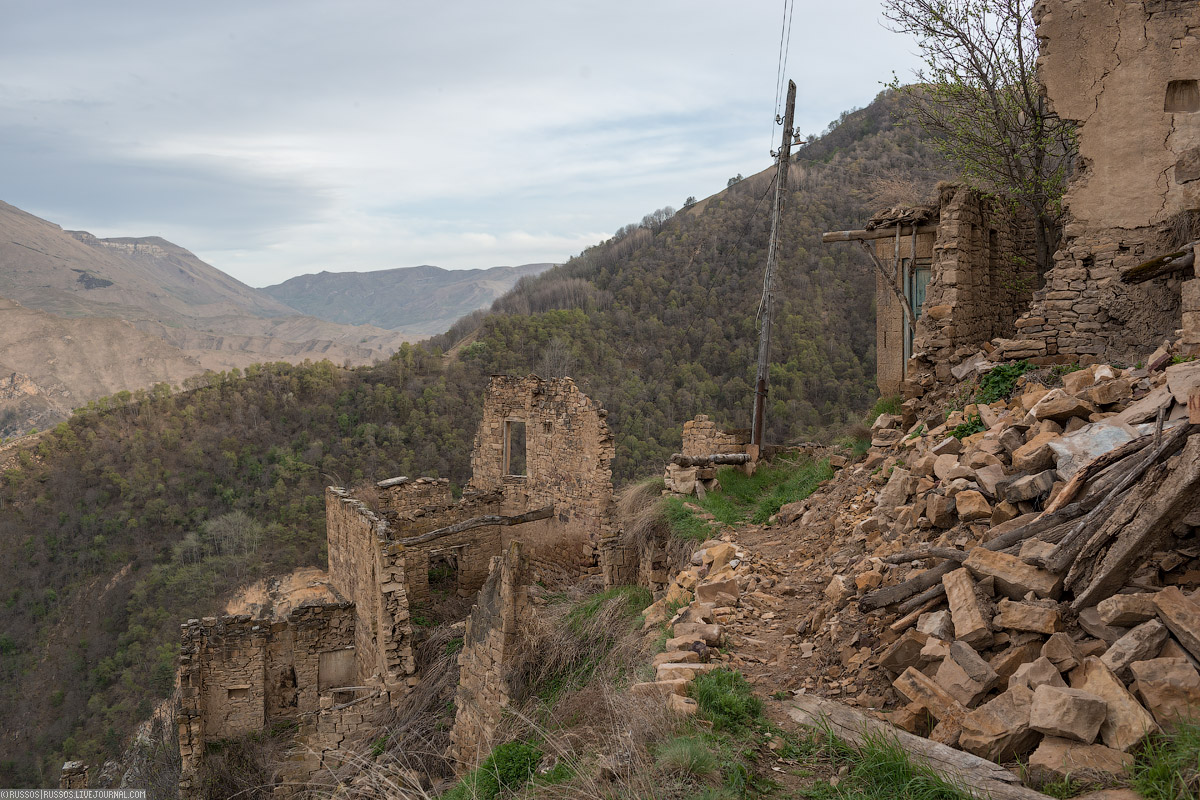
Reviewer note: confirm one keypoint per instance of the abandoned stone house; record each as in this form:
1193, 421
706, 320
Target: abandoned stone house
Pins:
959, 276
539, 506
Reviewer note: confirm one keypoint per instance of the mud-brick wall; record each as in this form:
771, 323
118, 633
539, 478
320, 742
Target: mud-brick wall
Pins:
294, 654
1126, 74
569, 452
368, 570
702, 437
491, 638
983, 275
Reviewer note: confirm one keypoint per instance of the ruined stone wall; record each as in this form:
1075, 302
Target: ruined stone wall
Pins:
490, 640
984, 273
702, 437
1126, 73
368, 569
302, 653
569, 452
413, 498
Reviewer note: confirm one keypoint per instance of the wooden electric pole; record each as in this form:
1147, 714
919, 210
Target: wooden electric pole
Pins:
768, 300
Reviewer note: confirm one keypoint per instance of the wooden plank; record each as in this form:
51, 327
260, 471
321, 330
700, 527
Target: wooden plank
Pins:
878, 233
679, 459
1180, 260
479, 522
980, 777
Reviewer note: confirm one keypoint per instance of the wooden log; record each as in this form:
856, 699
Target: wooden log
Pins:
1072, 544
479, 522
1093, 468
879, 233
980, 777
922, 553
934, 592
1178, 261
679, 459
908, 620
1164, 504
932, 578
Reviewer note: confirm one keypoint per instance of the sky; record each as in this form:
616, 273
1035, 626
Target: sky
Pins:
279, 138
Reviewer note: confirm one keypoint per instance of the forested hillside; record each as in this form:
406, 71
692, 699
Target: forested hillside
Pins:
146, 509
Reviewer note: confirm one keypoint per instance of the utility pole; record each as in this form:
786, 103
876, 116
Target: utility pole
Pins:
768, 299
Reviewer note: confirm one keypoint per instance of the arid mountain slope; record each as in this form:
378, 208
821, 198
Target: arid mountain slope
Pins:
82, 317
418, 300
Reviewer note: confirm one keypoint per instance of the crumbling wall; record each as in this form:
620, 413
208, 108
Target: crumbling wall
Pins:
490, 640
1126, 73
368, 569
568, 457
237, 673
702, 437
890, 322
983, 275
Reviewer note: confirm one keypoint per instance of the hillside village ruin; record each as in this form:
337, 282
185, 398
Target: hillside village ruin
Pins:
967, 640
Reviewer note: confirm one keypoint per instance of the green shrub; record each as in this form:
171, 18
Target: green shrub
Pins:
884, 405
685, 524
635, 600
726, 699
970, 427
686, 757
880, 769
507, 769
1000, 382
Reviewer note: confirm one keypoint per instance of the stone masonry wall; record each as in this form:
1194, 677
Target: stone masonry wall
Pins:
1126, 73
238, 673
569, 452
983, 275
369, 570
702, 437
490, 640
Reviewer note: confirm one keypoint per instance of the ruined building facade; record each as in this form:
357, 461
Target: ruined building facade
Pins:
539, 506
1128, 74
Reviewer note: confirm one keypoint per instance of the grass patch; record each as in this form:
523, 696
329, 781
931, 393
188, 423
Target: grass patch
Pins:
880, 769
742, 498
726, 700
884, 405
509, 767
687, 757
1001, 381
633, 601
1168, 767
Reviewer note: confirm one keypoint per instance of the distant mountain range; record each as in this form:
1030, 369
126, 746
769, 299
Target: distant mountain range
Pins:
421, 300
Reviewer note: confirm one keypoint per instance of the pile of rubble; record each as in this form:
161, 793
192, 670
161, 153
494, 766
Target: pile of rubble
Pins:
1037, 559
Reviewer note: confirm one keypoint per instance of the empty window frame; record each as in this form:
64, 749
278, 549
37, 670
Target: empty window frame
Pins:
514, 448
1182, 96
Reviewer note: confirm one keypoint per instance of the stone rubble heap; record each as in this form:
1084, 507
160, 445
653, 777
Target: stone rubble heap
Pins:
1041, 560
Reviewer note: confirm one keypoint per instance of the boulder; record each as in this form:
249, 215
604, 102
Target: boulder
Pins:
999, 729
905, 652
1075, 382
1074, 450
939, 509
709, 634
958, 684
1027, 487
1014, 578
684, 706
719, 593
936, 623
718, 556
1059, 406
1125, 610
1061, 651
944, 465
1182, 379
1089, 620
1110, 392
1170, 688
886, 438
895, 493
1009, 661
839, 589
1039, 672
972, 622
1067, 713
1056, 760
988, 477
1027, 617
948, 446
659, 688
972, 505
686, 670
1035, 455
1126, 724
1141, 643
1182, 617
676, 657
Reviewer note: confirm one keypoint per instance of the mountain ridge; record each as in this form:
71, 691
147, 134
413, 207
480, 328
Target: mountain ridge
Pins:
423, 299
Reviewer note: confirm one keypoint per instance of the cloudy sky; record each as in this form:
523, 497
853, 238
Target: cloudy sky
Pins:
278, 138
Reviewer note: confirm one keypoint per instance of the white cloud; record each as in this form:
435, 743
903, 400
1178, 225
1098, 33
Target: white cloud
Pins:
278, 138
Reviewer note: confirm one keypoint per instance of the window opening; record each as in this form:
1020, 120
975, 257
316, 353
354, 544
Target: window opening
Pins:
443, 575
514, 448
1182, 96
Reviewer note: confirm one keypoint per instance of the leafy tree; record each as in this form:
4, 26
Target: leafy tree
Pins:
978, 95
